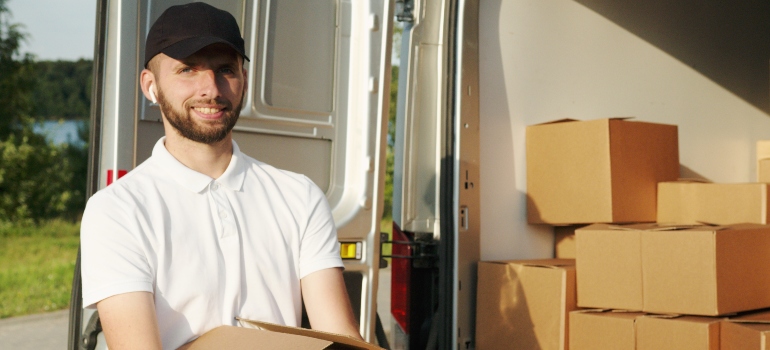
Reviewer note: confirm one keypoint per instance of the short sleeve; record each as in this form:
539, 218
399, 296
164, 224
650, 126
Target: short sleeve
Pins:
113, 260
319, 247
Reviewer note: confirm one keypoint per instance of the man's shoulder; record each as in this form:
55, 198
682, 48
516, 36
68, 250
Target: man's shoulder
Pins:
129, 185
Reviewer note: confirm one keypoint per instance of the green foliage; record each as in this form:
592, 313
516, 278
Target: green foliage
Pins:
36, 266
63, 89
16, 75
387, 211
35, 179
38, 180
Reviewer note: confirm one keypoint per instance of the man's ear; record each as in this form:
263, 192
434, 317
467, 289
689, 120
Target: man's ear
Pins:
149, 85
245, 80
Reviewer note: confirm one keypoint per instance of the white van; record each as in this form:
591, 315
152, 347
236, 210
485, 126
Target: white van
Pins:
473, 75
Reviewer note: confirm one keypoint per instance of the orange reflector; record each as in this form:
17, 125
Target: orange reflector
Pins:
350, 250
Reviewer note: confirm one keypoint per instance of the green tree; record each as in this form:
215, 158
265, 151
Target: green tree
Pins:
62, 89
37, 179
16, 76
387, 212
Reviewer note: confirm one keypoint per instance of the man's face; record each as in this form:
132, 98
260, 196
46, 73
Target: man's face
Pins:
201, 95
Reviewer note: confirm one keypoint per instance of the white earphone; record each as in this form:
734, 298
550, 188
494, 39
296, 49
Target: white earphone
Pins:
152, 93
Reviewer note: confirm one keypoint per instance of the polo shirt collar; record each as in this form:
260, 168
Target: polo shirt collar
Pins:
235, 173
194, 181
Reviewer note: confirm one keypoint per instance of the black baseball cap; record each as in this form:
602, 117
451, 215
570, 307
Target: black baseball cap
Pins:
182, 30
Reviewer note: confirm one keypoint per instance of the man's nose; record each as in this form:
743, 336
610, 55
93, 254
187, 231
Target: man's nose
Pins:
207, 82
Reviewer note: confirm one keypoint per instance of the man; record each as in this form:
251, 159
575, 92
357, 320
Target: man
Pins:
200, 233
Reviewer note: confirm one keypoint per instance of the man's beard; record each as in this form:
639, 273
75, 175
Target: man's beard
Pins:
184, 123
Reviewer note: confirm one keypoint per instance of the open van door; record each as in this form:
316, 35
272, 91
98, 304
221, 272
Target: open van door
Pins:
436, 206
317, 105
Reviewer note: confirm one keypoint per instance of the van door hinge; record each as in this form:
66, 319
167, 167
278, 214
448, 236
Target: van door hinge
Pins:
424, 252
404, 10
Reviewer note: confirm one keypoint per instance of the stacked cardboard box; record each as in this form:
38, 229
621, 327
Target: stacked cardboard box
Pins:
606, 170
564, 241
700, 270
523, 304
613, 330
664, 332
578, 173
678, 271
686, 202
749, 331
763, 161
601, 329
657, 259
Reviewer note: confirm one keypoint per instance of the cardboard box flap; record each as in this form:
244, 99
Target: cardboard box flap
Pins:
707, 223
592, 311
239, 338
563, 120
679, 227
607, 311
546, 263
651, 227
338, 339
567, 120
762, 317
665, 316
555, 267
691, 180
743, 226
748, 321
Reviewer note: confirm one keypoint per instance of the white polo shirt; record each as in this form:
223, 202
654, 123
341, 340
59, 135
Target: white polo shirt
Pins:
208, 249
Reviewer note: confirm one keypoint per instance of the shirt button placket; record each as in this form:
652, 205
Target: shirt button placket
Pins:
230, 243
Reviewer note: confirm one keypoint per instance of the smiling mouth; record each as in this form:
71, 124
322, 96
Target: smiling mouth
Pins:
207, 110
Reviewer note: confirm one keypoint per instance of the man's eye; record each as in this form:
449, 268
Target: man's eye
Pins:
227, 70
185, 70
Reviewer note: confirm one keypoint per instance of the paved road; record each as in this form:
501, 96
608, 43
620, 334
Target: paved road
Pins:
49, 331
35, 332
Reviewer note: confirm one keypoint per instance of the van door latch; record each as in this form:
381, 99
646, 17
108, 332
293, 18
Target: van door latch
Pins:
404, 10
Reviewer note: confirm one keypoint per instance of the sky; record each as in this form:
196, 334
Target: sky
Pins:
57, 29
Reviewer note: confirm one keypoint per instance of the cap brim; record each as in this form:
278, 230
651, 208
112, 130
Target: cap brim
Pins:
188, 47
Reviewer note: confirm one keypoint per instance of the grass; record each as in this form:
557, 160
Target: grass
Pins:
36, 267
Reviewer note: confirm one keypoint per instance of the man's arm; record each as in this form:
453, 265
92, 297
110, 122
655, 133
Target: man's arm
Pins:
129, 321
327, 303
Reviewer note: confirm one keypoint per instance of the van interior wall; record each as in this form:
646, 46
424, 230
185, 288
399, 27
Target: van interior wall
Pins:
547, 60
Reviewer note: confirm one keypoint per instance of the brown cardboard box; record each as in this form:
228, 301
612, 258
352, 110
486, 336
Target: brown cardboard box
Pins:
763, 170
603, 170
564, 241
677, 333
720, 204
763, 161
750, 331
609, 266
276, 337
602, 330
701, 270
524, 304
705, 270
